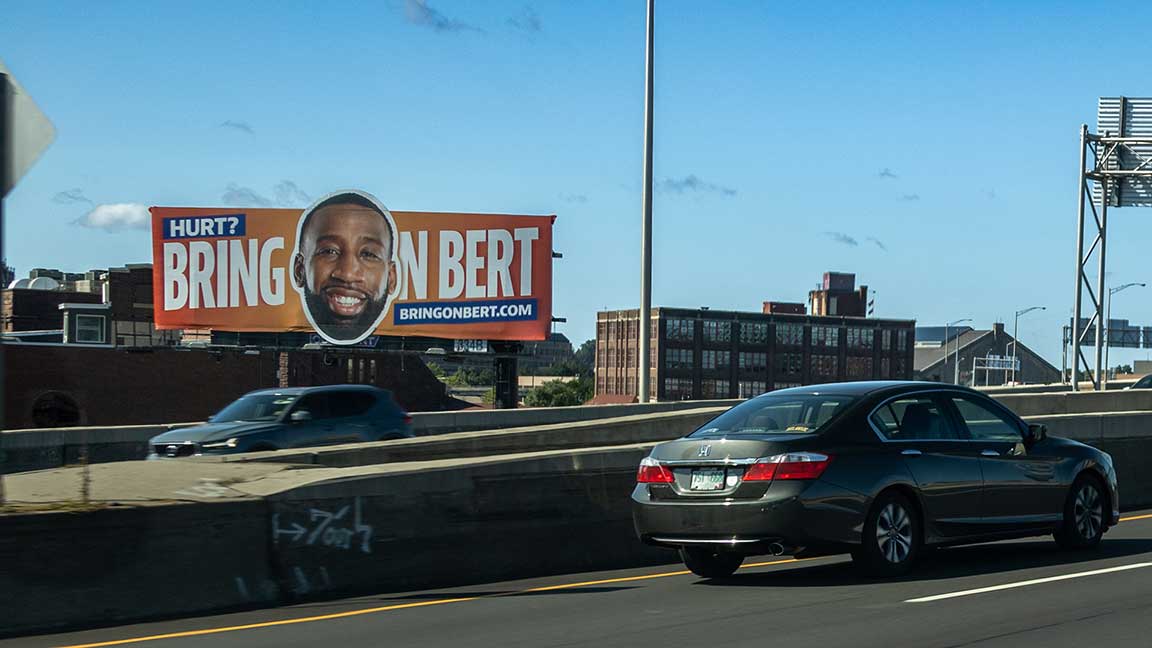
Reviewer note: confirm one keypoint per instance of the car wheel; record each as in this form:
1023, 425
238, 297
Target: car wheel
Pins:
710, 564
1083, 525
892, 539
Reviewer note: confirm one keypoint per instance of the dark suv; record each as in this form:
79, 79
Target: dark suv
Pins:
271, 419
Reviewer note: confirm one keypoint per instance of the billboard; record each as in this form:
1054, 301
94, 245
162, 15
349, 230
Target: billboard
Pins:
348, 268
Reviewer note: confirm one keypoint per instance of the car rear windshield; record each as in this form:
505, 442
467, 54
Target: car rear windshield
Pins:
783, 414
256, 407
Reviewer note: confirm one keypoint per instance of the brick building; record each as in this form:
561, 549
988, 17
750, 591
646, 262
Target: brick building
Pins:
839, 296
705, 354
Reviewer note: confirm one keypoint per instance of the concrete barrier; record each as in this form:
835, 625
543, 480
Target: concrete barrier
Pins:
607, 432
120, 564
1077, 402
318, 532
452, 523
41, 448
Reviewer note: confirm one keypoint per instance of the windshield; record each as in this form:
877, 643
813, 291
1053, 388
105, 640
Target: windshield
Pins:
783, 414
256, 407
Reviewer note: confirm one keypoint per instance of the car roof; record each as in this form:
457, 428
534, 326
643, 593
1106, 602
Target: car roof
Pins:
865, 388
295, 391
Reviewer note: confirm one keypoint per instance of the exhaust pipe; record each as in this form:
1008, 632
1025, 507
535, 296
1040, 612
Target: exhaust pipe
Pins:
776, 549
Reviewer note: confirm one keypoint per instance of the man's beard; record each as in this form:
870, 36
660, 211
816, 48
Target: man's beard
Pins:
342, 328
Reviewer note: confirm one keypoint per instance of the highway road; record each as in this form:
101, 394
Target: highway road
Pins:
1020, 593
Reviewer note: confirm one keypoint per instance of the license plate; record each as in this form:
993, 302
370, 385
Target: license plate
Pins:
707, 479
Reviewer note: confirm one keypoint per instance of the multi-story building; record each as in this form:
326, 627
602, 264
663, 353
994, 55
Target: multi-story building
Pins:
703, 354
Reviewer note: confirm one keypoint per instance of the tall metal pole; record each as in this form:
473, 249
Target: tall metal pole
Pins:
646, 226
1079, 259
1015, 334
946, 341
4, 146
1107, 337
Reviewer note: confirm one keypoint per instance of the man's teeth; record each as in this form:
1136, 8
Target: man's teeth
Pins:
347, 301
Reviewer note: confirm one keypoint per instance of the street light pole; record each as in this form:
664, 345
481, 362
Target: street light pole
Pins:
1108, 327
1015, 333
646, 224
956, 364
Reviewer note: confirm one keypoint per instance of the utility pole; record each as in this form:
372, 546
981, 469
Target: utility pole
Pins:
645, 327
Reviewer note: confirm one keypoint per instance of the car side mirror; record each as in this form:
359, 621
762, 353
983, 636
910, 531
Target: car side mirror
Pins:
1036, 432
300, 416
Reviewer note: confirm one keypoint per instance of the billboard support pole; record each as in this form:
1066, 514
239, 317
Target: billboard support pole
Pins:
1083, 188
645, 368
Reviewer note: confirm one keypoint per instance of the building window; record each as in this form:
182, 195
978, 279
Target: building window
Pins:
860, 338
824, 366
902, 340
789, 364
754, 333
785, 385
858, 368
714, 389
790, 334
677, 388
678, 359
751, 388
681, 329
90, 329
899, 368
886, 340
755, 361
886, 368
825, 336
716, 359
717, 331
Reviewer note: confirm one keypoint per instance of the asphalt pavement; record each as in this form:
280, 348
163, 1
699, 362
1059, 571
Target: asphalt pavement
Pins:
1020, 593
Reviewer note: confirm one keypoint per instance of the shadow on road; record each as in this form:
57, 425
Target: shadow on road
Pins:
941, 564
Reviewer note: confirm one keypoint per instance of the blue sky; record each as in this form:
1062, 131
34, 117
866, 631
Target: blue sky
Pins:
790, 137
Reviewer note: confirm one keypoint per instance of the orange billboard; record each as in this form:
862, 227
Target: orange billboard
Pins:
348, 268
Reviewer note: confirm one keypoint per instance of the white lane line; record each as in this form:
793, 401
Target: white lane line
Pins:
1038, 581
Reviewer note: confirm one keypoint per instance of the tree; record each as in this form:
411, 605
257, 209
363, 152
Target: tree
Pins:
557, 393
436, 370
585, 356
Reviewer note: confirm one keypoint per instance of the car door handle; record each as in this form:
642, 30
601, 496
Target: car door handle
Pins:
911, 453
989, 453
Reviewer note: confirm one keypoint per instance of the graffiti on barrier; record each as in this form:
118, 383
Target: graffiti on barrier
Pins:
327, 528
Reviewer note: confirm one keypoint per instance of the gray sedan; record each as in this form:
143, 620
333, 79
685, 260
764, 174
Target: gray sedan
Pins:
878, 469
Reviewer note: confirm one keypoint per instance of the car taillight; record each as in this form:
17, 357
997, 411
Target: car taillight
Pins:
651, 472
795, 465
407, 419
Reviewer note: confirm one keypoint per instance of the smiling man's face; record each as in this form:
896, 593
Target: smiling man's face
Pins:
345, 268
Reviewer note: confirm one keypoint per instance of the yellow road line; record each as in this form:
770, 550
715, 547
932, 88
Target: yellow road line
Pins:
403, 606
269, 624
626, 579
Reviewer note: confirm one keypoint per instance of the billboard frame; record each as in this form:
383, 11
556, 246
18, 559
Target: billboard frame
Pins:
1108, 172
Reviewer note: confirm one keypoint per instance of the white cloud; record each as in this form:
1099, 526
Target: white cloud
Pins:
117, 217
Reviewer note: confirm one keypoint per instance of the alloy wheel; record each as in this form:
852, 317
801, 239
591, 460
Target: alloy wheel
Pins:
1088, 511
894, 533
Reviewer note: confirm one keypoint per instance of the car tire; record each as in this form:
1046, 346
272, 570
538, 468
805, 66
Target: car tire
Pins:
892, 538
1083, 525
710, 564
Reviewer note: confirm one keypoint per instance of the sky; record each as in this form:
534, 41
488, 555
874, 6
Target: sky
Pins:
929, 147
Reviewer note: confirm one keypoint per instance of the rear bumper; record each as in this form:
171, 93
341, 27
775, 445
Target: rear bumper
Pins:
795, 515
